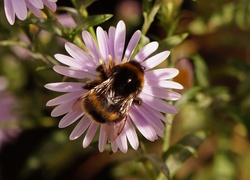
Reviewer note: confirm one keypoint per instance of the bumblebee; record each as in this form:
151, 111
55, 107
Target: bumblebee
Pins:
111, 95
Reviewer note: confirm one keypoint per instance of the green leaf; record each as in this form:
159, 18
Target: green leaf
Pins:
92, 21
183, 150
157, 161
188, 95
147, 6
84, 3
13, 43
173, 41
201, 71
50, 25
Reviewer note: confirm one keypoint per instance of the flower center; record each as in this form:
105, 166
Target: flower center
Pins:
110, 63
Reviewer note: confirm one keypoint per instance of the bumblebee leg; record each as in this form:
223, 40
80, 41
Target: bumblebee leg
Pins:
137, 101
102, 77
91, 84
102, 72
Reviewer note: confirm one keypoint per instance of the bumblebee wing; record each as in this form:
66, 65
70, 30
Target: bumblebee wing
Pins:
116, 128
99, 89
125, 104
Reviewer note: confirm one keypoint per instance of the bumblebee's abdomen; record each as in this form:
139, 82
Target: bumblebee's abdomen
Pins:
99, 110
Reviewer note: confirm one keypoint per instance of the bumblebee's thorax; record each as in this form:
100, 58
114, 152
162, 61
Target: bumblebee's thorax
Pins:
128, 79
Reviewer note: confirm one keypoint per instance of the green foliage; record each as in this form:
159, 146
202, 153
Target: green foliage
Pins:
180, 152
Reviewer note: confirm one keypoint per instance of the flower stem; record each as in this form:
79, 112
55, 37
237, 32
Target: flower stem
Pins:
149, 18
167, 136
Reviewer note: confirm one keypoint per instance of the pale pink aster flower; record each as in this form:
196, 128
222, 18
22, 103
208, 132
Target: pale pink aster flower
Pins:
110, 50
18, 8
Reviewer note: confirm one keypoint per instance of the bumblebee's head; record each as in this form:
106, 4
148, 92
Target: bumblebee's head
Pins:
128, 78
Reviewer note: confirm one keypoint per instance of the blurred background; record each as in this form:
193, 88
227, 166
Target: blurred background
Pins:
210, 45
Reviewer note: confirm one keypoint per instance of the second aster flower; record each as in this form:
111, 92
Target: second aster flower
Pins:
18, 8
115, 81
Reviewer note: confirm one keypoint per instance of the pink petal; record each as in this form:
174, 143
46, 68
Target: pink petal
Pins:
114, 146
156, 113
121, 141
37, 3
75, 73
50, 5
64, 98
65, 86
161, 93
78, 54
119, 41
150, 118
132, 44
9, 11
70, 118
62, 109
102, 39
90, 134
155, 60
146, 130
146, 51
34, 10
111, 35
80, 128
131, 134
158, 104
103, 137
161, 74
91, 45
20, 9
152, 121
163, 84
68, 61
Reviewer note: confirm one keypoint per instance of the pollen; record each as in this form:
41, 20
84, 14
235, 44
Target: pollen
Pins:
101, 61
113, 116
124, 60
110, 62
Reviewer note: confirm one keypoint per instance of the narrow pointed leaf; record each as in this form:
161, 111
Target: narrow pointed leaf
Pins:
182, 151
